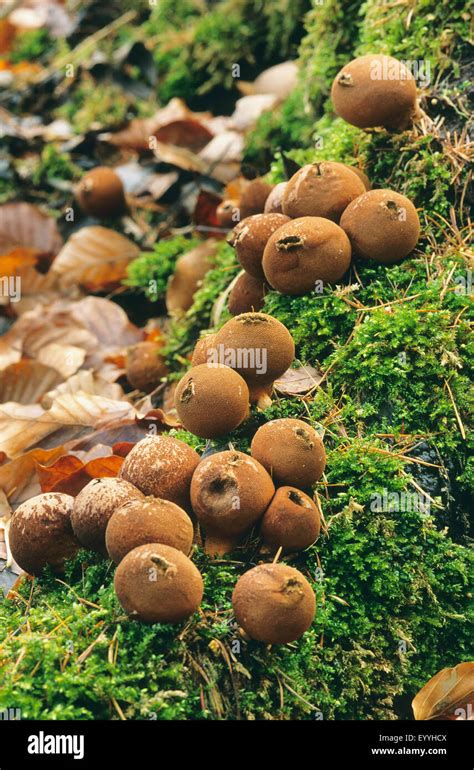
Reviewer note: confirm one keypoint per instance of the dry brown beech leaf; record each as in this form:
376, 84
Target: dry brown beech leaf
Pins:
180, 157
107, 321
22, 427
23, 225
26, 382
279, 80
95, 258
70, 474
86, 382
298, 381
18, 477
223, 155
66, 359
447, 695
36, 289
248, 110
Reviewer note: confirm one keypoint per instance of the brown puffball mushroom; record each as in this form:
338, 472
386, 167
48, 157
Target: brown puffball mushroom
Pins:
189, 271
211, 400
228, 213
93, 507
291, 451
100, 193
229, 493
145, 366
291, 521
249, 238
149, 520
321, 189
247, 294
257, 346
382, 225
253, 197
155, 583
375, 90
361, 174
161, 466
274, 603
273, 204
304, 252
41, 533
202, 349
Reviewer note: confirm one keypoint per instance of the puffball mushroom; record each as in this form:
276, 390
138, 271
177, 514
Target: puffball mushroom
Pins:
155, 583
41, 533
145, 366
291, 451
273, 204
148, 520
291, 521
321, 189
306, 251
274, 603
100, 193
375, 90
253, 197
361, 174
95, 504
189, 271
202, 348
247, 294
211, 400
229, 493
161, 466
249, 238
228, 213
382, 225
258, 347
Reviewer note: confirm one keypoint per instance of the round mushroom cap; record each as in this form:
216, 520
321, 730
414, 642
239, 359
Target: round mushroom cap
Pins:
93, 507
228, 213
291, 521
155, 583
145, 366
274, 603
202, 349
148, 520
273, 204
229, 493
161, 466
303, 253
375, 90
247, 294
100, 193
321, 189
291, 451
257, 346
190, 269
382, 225
250, 237
253, 197
211, 400
41, 533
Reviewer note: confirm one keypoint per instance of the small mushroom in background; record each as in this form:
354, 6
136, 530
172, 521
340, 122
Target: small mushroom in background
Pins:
211, 400
100, 193
291, 451
148, 520
190, 269
249, 238
155, 583
382, 225
260, 348
304, 252
274, 202
321, 189
375, 90
93, 507
228, 213
274, 603
247, 294
229, 493
202, 349
41, 533
161, 466
145, 365
253, 197
291, 522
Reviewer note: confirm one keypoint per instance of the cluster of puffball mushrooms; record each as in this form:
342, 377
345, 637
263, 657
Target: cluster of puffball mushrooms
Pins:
287, 237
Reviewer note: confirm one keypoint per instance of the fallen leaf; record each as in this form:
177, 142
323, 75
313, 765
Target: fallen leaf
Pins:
66, 359
180, 157
449, 690
297, 381
249, 109
69, 474
223, 155
107, 321
95, 258
279, 80
24, 226
26, 382
86, 382
18, 477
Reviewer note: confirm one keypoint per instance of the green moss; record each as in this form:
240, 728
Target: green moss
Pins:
55, 166
32, 45
93, 105
152, 270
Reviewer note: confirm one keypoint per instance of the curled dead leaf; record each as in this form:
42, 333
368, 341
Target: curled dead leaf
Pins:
24, 226
296, 382
448, 695
26, 382
69, 474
